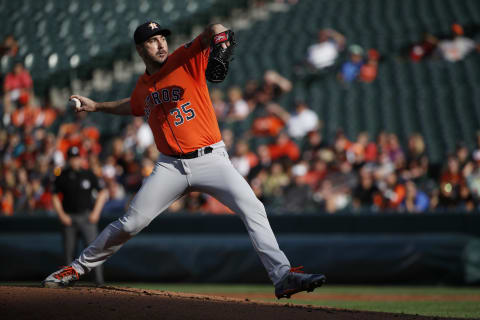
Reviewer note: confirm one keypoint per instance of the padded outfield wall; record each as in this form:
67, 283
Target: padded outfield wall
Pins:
367, 248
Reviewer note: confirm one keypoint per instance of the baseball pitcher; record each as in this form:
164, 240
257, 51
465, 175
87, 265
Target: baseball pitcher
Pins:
173, 97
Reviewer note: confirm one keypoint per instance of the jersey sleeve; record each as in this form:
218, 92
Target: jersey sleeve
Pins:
195, 58
136, 103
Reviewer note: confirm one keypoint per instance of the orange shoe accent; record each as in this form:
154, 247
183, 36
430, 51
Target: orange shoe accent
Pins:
67, 271
297, 269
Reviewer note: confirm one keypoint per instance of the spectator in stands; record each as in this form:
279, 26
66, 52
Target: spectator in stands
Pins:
351, 68
330, 198
26, 116
276, 181
299, 123
317, 172
41, 198
47, 114
366, 192
472, 175
368, 71
325, 52
303, 121
274, 85
7, 202
463, 155
415, 147
270, 121
297, 196
313, 144
394, 148
416, 200
17, 88
467, 202
356, 153
264, 161
117, 199
257, 184
459, 47
144, 134
238, 108
393, 192
244, 160
341, 144
228, 139
450, 183
424, 48
9, 47
219, 105
284, 148
343, 178
250, 91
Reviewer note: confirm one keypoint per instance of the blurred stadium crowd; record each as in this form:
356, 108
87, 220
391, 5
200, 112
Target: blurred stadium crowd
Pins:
279, 149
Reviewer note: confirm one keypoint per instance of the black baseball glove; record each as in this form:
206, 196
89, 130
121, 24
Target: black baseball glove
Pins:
220, 58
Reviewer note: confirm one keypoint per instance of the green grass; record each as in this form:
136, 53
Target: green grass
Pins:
458, 309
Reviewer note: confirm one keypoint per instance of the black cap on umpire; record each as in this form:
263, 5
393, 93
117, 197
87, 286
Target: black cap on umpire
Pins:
73, 152
147, 30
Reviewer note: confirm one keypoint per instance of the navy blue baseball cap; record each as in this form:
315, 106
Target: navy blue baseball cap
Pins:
147, 30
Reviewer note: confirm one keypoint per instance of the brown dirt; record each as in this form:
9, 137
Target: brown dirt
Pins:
358, 297
87, 303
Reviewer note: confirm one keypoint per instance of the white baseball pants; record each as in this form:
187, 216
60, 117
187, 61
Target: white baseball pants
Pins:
171, 178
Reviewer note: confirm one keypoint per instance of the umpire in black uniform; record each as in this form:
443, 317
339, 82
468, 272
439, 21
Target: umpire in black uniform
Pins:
79, 208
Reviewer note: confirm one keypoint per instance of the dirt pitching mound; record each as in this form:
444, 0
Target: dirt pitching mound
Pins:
120, 303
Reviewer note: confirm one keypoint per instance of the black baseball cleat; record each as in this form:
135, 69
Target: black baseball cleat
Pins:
297, 281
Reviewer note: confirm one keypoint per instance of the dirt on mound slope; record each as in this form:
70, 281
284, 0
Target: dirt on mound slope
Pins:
120, 303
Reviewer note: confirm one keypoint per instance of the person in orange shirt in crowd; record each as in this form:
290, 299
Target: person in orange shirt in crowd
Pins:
341, 144
284, 147
317, 172
368, 71
7, 204
26, 116
270, 123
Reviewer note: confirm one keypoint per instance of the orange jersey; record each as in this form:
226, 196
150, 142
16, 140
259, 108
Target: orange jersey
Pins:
176, 103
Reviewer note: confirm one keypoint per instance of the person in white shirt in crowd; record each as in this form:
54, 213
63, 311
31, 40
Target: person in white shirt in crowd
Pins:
238, 107
299, 123
303, 121
325, 52
243, 160
459, 47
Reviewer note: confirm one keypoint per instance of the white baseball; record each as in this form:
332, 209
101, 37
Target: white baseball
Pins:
75, 103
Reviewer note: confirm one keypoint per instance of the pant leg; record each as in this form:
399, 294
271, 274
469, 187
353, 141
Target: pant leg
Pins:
214, 174
89, 232
69, 241
166, 184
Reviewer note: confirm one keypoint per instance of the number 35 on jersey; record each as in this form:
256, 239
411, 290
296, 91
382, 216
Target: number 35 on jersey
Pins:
165, 98
185, 112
